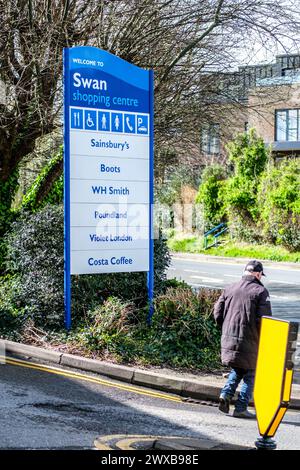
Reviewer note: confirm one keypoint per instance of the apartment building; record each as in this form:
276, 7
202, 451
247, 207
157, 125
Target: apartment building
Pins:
264, 96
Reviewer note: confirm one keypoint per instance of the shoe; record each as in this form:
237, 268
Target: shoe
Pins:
224, 404
244, 414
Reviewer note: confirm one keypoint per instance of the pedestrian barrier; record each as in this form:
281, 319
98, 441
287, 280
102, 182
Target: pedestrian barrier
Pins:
222, 229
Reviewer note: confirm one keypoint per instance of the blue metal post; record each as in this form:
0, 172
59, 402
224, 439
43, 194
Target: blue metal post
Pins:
67, 253
150, 275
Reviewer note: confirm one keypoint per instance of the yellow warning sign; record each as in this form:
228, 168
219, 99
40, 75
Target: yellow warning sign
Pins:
274, 373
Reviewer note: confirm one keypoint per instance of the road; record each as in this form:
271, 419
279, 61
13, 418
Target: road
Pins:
51, 408
283, 283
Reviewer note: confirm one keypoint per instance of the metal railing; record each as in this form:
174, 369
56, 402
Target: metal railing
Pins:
222, 229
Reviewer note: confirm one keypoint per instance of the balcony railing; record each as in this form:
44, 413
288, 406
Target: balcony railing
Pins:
282, 80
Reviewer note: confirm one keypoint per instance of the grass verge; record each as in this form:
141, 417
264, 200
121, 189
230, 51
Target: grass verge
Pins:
233, 249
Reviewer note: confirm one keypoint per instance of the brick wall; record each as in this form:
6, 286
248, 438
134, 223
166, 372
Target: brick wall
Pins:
264, 101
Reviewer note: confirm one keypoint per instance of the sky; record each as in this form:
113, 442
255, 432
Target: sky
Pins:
255, 51
257, 54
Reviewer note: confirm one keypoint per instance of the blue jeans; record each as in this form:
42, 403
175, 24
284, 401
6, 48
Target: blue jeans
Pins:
235, 377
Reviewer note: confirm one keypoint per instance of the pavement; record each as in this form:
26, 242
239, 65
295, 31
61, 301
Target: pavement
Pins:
202, 387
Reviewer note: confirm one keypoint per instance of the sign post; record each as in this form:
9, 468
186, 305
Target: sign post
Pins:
273, 377
108, 167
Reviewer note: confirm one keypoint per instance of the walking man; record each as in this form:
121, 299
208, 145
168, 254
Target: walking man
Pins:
238, 312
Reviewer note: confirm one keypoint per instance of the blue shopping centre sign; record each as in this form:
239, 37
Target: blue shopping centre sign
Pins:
108, 166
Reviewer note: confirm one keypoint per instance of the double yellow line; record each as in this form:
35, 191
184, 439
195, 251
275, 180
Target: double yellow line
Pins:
124, 441
87, 378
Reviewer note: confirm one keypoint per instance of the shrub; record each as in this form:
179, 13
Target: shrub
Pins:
39, 194
183, 332
10, 317
175, 283
187, 315
248, 154
279, 204
36, 259
8, 191
243, 228
211, 195
289, 233
108, 325
249, 157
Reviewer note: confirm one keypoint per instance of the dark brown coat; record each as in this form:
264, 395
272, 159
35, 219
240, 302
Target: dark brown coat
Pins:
238, 312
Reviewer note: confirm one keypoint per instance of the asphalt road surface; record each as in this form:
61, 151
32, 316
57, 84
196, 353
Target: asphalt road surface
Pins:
50, 408
283, 283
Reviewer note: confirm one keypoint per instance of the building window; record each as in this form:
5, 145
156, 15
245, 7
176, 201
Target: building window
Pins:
287, 123
210, 139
